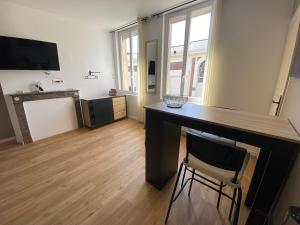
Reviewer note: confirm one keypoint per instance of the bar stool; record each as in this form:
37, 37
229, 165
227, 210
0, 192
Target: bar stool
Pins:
219, 159
211, 136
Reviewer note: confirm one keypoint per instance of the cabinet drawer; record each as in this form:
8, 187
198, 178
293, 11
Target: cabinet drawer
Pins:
118, 101
103, 111
119, 114
119, 107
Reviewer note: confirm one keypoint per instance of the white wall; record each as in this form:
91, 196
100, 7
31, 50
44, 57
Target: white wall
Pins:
153, 31
81, 47
250, 46
132, 106
297, 2
291, 106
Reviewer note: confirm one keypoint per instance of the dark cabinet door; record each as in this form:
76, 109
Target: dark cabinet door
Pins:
103, 111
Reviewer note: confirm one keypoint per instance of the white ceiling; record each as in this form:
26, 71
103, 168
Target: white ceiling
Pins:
107, 13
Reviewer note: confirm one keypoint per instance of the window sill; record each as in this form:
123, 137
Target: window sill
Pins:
195, 100
127, 93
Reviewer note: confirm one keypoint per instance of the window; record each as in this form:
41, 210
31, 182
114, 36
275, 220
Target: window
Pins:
187, 33
128, 49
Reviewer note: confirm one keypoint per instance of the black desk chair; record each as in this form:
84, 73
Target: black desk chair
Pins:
218, 159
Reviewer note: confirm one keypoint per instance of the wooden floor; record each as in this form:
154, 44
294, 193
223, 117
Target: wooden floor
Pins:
96, 178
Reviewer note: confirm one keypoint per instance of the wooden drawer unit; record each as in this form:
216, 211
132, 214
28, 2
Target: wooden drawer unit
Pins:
101, 111
119, 107
119, 100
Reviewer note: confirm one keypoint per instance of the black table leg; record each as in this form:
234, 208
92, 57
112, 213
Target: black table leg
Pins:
273, 179
257, 176
162, 149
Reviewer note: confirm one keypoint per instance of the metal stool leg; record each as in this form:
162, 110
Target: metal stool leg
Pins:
238, 206
219, 197
232, 204
183, 177
193, 174
173, 194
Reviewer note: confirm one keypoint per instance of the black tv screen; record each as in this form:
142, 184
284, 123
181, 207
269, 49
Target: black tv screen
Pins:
25, 54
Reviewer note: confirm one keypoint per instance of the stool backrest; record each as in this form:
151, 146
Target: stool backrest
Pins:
215, 152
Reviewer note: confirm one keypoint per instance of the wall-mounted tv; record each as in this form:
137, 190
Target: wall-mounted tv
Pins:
25, 54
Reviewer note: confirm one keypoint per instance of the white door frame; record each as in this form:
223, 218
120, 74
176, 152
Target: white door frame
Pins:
287, 60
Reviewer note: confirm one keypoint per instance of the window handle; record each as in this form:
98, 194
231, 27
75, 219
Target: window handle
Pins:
278, 104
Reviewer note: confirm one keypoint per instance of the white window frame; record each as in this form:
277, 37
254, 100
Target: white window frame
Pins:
206, 7
129, 32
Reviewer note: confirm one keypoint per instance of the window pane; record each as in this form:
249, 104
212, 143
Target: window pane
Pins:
126, 64
175, 55
135, 47
129, 60
196, 55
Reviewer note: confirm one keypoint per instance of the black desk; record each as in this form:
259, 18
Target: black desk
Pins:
276, 137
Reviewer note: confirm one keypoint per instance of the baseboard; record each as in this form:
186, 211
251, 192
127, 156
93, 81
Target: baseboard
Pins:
133, 117
7, 139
